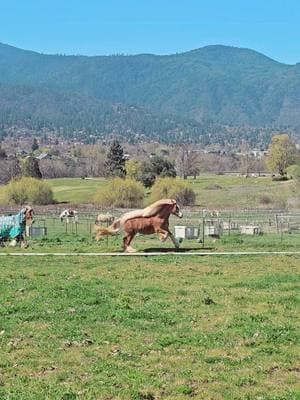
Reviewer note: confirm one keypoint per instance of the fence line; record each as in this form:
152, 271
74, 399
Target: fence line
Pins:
154, 254
226, 223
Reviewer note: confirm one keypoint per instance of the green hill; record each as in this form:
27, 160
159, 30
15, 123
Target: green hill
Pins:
207, 89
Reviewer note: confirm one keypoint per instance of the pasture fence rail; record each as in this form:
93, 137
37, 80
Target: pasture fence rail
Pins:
209, 222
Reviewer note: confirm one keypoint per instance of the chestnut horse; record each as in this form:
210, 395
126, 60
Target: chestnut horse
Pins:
152, 219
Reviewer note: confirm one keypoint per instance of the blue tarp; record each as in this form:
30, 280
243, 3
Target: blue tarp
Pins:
11, 226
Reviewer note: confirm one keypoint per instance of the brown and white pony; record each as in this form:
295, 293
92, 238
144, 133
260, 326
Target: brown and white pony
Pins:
69, 215
152, 219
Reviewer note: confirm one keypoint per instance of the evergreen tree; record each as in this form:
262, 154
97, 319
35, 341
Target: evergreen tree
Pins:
115, 163
34, 145
157, 166
31, 168
2, 153
163, 167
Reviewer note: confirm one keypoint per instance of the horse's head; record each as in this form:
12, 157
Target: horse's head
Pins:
28, 214
163, 207
176, 211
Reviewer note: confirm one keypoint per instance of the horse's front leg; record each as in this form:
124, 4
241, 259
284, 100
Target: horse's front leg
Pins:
164, 234
126, 243
174, 240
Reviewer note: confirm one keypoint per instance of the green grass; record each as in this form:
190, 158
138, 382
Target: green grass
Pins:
223, 191
213, 191
149, 328
75, 190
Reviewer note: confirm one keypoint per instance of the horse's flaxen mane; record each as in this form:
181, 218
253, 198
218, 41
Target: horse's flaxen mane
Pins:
149, 211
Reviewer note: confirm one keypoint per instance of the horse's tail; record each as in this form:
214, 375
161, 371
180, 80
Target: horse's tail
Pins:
110, 230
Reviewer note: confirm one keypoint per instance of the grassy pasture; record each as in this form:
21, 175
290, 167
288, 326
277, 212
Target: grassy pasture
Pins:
149, 328
213, 191
75, 190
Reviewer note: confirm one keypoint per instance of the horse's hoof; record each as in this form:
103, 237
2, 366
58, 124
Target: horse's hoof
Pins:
130, 249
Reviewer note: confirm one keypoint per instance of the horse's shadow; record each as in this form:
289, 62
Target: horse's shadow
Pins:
172, 249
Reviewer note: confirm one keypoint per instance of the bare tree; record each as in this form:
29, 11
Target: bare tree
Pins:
93, 160
187, 161
53, 169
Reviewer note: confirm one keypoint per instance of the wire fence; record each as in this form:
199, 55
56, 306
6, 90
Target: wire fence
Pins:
196, 223
208, 223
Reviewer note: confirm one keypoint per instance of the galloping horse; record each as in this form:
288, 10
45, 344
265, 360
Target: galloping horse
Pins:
14, 226
152, 219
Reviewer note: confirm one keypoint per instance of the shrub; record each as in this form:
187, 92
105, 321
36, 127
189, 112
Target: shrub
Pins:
293, 172
118, 192
280, 178
28, 190
173, 188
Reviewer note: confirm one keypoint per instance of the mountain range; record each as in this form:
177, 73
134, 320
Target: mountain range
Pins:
212, 94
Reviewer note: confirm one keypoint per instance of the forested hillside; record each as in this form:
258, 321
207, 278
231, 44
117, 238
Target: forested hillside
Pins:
211, 94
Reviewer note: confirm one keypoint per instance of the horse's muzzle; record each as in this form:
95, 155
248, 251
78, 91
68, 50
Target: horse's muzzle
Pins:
179, 215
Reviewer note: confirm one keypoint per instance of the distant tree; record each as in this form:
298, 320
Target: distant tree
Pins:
10, 169
31, 168
53, 169
146, 175
115, 162
157, 166
282, 152
15, 169
187, 161
34, 145
163, 167
2, 153
133, 168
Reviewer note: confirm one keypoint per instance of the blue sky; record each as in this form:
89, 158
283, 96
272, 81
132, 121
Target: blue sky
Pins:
93, 27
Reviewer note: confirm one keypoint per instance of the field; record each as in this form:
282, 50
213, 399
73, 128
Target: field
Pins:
213, 191
75, 190
149, 328
156, 327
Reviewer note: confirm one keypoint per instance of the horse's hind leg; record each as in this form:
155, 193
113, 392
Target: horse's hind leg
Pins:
126, 243
163, 236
